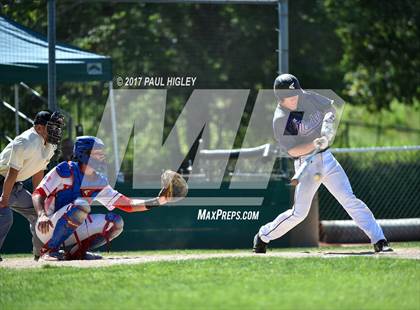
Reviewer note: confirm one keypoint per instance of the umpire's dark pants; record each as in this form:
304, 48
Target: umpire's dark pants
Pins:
21, 202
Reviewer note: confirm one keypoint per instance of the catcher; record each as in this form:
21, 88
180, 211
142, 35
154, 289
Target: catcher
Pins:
63, 199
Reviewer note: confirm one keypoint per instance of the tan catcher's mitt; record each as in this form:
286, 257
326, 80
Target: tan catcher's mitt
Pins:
174, 186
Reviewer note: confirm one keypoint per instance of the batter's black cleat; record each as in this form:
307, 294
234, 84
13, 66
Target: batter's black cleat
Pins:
259, 245
1, 259
382, 246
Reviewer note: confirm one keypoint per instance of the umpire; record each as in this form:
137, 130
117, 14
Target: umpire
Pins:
27, 156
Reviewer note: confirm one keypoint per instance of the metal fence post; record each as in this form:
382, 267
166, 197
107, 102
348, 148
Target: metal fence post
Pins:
17, 109
52, 88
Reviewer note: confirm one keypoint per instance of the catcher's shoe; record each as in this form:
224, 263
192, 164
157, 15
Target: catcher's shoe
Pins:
259, 245
92, 256
382, 246
53, 256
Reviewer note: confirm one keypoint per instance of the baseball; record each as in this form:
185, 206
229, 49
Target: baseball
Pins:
317, 176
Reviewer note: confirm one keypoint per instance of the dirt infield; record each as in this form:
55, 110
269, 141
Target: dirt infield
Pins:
140, 259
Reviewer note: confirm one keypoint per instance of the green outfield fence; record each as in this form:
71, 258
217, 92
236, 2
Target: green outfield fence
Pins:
178, 226
386, 178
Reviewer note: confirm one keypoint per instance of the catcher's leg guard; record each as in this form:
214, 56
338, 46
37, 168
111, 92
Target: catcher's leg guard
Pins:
102, 230
67, 224
113, 227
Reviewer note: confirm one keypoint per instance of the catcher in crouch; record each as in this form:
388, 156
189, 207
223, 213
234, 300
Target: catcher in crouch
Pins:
62, 201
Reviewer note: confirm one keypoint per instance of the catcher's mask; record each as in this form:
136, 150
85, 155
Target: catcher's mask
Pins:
89, 150
53, 123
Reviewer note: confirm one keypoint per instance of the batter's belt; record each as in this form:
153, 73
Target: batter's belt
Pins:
300, 157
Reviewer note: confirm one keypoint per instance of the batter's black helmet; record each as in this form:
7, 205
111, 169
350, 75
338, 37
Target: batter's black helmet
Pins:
286, 85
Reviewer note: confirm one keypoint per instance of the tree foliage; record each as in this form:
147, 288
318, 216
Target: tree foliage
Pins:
380, 42
366, 51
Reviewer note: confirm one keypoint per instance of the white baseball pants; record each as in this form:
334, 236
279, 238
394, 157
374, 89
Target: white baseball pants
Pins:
93, 225
336, 181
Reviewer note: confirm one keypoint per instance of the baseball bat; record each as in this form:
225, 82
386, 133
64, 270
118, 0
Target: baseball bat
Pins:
298, 174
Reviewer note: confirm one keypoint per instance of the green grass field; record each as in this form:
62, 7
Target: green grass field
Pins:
223, 283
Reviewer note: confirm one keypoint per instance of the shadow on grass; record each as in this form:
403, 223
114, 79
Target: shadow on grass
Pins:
363, 253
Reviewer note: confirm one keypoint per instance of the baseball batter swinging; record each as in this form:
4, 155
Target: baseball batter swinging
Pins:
304, 121
63, 202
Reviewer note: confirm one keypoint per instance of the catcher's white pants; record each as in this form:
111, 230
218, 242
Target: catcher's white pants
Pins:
336, 181
94, 224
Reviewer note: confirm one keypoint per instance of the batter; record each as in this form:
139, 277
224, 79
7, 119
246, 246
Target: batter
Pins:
298, 128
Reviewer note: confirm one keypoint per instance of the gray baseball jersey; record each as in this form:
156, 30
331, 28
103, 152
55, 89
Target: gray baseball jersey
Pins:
303, 125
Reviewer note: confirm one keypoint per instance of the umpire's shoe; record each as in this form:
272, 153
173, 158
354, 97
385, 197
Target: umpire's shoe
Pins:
382, 246
259, 245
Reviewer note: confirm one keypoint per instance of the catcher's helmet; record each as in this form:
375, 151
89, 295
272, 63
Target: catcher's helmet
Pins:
286, 85
82, 149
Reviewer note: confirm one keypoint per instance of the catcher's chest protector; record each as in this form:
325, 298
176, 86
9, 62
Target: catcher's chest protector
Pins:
68, 195
80, 186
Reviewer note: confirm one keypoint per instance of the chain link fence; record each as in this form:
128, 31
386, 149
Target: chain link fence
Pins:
387, 179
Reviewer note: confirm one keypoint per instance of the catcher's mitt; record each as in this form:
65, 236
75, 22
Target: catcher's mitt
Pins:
174, 186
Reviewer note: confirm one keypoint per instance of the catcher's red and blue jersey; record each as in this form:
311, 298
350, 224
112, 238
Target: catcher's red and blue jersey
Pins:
66, 183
